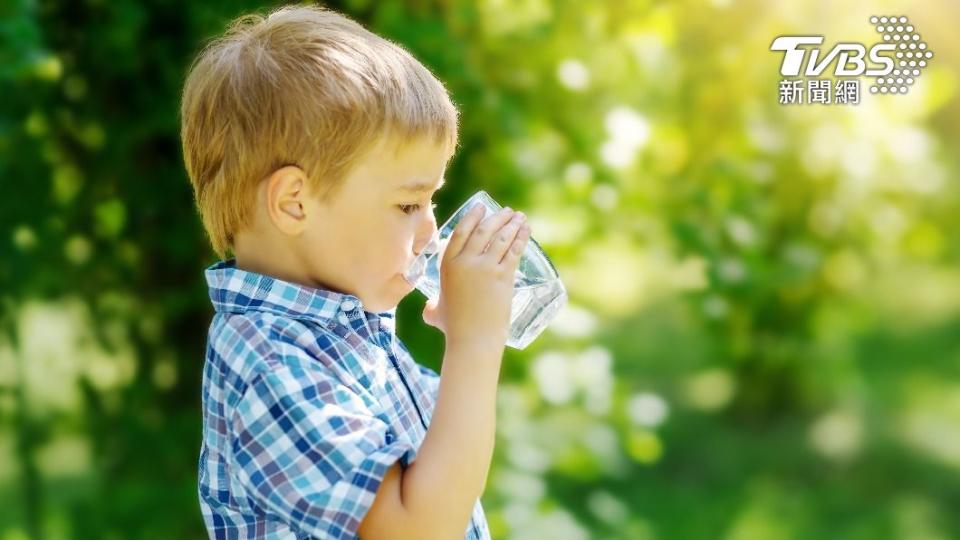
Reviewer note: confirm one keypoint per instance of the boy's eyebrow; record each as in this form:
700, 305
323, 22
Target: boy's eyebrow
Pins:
420, 187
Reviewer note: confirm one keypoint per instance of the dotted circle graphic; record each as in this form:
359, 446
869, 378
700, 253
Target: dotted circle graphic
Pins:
911, 54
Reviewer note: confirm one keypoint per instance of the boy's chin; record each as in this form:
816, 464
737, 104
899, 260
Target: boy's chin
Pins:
398, 290
405, 288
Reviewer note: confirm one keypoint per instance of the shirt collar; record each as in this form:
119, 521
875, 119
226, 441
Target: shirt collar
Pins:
233, 290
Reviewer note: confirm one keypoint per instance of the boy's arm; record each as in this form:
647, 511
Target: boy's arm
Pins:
436, 494
434, 497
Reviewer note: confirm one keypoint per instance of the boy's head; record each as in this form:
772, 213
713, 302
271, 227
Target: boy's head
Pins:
300, 131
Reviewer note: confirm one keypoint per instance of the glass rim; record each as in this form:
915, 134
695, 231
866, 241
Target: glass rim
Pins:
479, 195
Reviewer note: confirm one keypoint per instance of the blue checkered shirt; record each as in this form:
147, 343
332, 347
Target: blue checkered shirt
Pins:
307, 401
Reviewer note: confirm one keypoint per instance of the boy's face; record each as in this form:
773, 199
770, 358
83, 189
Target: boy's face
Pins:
381, 216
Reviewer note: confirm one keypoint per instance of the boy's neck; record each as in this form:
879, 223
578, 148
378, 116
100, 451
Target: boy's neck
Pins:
274, 261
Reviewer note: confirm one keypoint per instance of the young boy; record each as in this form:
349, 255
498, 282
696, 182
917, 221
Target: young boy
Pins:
313, 147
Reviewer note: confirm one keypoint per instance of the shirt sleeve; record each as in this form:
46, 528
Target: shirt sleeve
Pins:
309, 452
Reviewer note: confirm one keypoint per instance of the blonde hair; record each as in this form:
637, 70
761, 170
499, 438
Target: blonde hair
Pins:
302, 86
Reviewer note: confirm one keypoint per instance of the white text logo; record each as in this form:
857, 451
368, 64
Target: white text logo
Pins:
894, 63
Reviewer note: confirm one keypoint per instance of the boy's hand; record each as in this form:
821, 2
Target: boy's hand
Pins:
476, 277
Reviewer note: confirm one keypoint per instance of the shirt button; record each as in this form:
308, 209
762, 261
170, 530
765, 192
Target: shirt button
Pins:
343, 318
348, 305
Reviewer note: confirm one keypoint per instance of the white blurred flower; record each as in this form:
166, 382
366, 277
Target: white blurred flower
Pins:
628, 131
607, 507
48, 337
650, 51
574, 321
578, 174
594, 377
552, 372
765, 135
929, 177
556, 524
552, 227
627, 125
518, 514
602, 442
573, 74
859, 158
932, 423
56, 348
513, 411
837, 434
520, 485
525, 455
560, 377
617, 154
741, 231
604, 197
647, 409
908, 145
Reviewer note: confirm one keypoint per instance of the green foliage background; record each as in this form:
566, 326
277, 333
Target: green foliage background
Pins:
764, 333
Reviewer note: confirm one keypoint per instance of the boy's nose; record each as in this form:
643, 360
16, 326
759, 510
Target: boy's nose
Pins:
424, 234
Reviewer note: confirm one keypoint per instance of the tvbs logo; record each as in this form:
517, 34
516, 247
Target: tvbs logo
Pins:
894, 63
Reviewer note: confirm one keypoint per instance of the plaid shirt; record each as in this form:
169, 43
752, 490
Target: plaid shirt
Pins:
307, 401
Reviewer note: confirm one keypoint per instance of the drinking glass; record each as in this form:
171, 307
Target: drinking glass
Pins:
538, 294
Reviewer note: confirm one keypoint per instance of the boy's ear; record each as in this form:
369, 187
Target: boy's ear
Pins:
286, 199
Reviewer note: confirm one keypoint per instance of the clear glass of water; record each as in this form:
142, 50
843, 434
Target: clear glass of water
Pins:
538, 294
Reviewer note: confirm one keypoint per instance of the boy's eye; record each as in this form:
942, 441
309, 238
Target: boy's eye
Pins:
410, 209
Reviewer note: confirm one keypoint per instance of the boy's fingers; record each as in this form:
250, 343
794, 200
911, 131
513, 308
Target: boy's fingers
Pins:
463, 229
485, 230
504, 238
511, 258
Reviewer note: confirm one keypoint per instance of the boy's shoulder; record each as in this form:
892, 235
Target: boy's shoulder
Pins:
265, 323
263, 341
255, 343
263, 326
